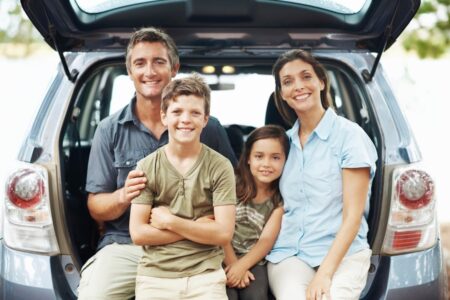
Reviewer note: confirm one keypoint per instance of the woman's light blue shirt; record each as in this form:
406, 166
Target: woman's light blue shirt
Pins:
311, 186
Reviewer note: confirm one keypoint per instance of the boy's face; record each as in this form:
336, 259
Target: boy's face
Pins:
185, 118
150, 69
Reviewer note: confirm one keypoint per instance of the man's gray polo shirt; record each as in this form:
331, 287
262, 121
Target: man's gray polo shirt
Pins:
120, 141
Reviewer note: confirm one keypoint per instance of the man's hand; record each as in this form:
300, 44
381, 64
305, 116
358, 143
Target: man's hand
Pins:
160, 217
134, 183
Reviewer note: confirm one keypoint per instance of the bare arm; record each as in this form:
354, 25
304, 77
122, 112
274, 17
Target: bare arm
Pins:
266, 240
110, 206
230, 256
142, 233
355, 188
217, 232
236, 270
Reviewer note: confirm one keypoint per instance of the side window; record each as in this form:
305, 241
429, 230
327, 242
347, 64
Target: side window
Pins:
94, 102
348, 99
122, 92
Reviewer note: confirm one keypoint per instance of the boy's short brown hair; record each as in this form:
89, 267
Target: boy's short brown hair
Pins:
191, 85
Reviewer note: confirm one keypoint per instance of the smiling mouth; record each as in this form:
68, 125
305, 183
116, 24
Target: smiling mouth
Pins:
302, 97
151, 83
185, 129
265, 173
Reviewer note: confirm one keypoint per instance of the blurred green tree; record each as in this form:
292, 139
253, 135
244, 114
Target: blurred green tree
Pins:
429, 32
16, 29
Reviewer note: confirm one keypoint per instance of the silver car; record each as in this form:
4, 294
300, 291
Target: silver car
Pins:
48, 233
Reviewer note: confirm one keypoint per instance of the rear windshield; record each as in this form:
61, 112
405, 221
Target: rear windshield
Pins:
341, 6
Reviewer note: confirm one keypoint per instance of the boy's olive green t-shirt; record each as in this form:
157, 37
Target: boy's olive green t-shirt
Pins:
210, 182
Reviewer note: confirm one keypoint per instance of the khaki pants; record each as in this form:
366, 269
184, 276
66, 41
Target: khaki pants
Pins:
111, 273
204, 286
292, 277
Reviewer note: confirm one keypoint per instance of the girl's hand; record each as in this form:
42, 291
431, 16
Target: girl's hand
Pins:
245, 282
319, 287
235, 273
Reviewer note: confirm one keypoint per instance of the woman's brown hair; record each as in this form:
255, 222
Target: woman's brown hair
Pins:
245, 183
285, 110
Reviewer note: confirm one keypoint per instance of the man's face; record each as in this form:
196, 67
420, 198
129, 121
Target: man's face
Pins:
150, 69
185, 119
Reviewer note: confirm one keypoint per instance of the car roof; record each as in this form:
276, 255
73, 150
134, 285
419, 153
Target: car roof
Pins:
215, 24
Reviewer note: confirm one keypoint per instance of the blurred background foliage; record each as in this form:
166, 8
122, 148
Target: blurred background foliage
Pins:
18, 37
428, 35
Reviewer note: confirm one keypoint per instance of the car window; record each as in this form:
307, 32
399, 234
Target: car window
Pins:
232, 96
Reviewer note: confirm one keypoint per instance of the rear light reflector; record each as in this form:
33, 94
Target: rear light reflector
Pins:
406, 239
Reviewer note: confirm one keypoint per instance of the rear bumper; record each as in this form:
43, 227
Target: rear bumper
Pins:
32, 276
419, 275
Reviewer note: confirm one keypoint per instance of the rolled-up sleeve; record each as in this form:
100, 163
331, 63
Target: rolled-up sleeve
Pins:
101, 174
358, 150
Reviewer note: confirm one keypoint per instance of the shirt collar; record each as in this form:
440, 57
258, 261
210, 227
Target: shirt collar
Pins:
128, 114
322, 130
325, 126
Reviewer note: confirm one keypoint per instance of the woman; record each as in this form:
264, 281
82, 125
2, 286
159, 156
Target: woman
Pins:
322, 248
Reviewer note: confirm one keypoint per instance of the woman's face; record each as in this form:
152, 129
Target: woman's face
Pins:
300, 86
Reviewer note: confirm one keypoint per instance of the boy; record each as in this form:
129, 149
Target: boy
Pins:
186, 182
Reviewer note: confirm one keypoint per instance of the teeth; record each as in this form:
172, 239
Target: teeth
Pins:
302, 97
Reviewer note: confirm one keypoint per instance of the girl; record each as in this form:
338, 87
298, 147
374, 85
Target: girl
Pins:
322, 248
258, 212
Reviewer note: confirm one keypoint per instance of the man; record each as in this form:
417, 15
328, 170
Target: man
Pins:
119, 142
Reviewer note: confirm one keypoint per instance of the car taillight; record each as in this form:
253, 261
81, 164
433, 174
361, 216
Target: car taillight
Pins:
25, 188
28, 223
412, 224
415, 189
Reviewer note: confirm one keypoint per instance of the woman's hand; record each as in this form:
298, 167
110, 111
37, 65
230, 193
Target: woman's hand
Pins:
319, 287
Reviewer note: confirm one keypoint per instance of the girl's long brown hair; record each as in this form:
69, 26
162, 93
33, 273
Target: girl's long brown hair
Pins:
245, 183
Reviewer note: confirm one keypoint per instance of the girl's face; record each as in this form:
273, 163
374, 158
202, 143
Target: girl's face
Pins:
266, 161
300, 86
